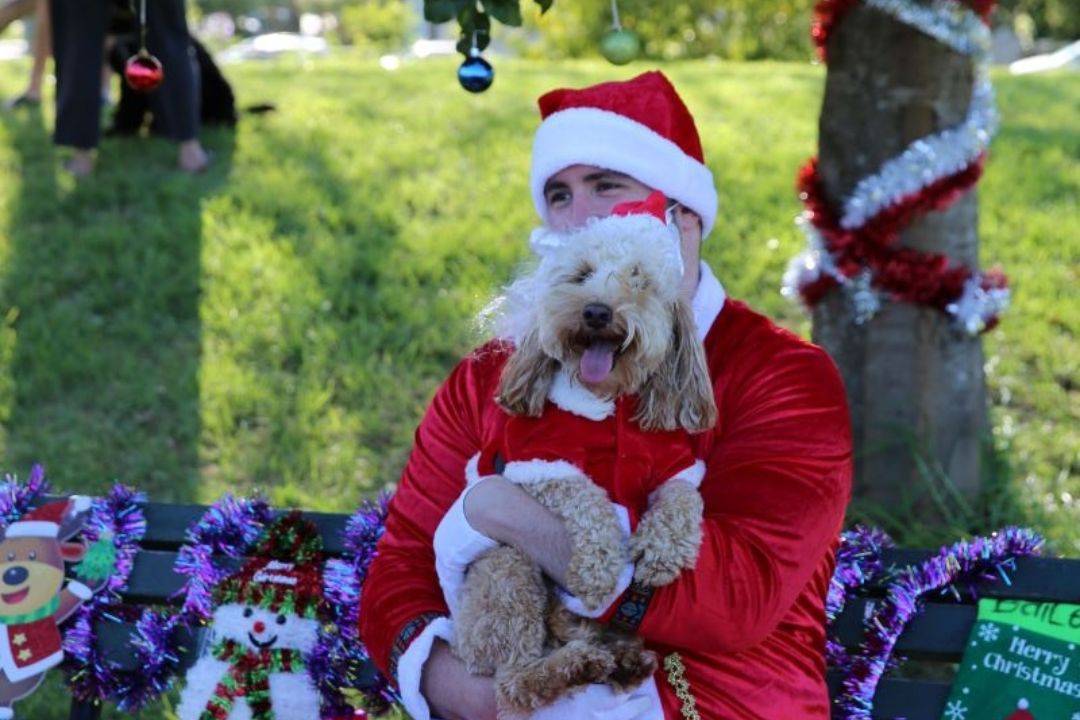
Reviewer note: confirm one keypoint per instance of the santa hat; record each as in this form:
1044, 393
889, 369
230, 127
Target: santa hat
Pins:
638, 127
284, 575
45, 521
1022, 713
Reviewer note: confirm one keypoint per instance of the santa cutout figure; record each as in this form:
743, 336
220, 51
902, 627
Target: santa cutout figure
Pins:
1021, 712
264, 627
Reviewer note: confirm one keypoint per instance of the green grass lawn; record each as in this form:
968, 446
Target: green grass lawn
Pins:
279, 323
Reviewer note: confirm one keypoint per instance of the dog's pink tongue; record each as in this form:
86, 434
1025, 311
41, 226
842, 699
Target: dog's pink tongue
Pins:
596, 362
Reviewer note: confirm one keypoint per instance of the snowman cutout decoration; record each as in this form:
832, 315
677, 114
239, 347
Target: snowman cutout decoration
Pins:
265, 625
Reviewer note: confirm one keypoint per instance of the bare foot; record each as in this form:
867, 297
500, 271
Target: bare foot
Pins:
192, 158
81, 164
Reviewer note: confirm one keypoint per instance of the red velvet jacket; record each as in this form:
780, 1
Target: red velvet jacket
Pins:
748, 621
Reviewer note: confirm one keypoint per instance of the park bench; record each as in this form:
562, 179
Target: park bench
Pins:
938, 635
153, 581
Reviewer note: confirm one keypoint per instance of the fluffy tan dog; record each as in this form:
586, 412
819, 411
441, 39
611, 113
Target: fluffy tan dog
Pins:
607, 379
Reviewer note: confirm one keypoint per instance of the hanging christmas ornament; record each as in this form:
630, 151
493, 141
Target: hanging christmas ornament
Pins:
476, 73
619, 46
143, 71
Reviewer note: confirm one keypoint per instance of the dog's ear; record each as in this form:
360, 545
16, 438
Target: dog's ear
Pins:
526, 378
679, 394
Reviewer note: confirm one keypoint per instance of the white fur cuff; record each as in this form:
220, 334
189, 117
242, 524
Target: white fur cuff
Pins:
693, 474
571, 603
456, 545
523, 472
411, 666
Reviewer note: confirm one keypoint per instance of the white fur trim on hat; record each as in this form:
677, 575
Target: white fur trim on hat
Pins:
589, 136
32, 528
80, 503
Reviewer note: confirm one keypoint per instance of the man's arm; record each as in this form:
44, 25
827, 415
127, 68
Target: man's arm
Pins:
507, 514
401, 593
776, 486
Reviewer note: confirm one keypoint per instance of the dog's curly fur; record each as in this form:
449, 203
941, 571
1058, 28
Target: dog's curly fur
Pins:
510, 625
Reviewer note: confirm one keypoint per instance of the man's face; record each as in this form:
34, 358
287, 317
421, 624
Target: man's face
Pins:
579, 192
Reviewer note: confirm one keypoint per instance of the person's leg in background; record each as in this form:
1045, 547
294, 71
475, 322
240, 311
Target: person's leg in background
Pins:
78, 39
176, 102
41, 47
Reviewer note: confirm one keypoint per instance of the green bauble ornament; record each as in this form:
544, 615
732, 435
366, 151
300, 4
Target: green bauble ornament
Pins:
620, 46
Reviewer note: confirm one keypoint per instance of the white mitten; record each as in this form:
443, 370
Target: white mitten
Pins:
600, 702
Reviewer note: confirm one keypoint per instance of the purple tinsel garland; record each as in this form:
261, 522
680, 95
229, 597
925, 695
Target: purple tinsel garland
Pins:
16, 497
90, 676
965, 562
858, 562
228, 527
338, 658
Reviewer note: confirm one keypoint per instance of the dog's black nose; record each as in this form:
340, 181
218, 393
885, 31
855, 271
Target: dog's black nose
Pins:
15, 575
597, 316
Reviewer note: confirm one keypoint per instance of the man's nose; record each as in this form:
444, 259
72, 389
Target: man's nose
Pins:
585, 207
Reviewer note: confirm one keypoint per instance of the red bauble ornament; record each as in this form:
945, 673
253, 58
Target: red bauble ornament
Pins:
143, 72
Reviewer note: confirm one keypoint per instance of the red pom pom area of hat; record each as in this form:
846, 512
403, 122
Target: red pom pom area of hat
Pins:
143, 72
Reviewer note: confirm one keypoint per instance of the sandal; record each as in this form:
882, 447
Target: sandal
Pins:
23, 100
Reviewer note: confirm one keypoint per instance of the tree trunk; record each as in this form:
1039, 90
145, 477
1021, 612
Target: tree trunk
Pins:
914, 384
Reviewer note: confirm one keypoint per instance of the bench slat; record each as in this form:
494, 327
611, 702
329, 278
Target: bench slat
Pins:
166, 525
901, 698
114, 638
940, 632
1050, 579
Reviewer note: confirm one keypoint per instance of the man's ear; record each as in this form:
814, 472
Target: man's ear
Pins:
687, 219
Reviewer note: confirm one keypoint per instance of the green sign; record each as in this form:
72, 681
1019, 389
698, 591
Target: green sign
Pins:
1022, 663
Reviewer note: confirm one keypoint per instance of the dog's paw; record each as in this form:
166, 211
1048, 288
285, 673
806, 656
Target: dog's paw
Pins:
542, 682
667, 539
633, 667
593, 573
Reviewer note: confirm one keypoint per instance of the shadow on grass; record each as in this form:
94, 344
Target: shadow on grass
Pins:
102, 293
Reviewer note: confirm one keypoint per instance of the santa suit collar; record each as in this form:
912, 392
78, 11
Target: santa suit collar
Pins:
574, 398
708, 301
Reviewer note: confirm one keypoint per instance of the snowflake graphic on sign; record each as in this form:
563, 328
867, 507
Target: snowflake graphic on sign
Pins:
988, 632
956, 711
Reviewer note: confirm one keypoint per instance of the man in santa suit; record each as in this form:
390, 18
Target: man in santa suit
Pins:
742, 634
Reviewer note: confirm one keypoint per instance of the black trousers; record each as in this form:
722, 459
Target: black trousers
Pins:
79, 28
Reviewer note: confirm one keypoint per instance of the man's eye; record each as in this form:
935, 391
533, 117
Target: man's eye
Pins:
607, 186
558, 198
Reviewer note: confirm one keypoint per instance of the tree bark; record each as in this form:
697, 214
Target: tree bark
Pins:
915, 385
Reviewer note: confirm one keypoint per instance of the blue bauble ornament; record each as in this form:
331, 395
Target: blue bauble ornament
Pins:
476, 74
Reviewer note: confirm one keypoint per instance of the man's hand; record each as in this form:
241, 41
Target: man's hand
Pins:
451, 692
496, 509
